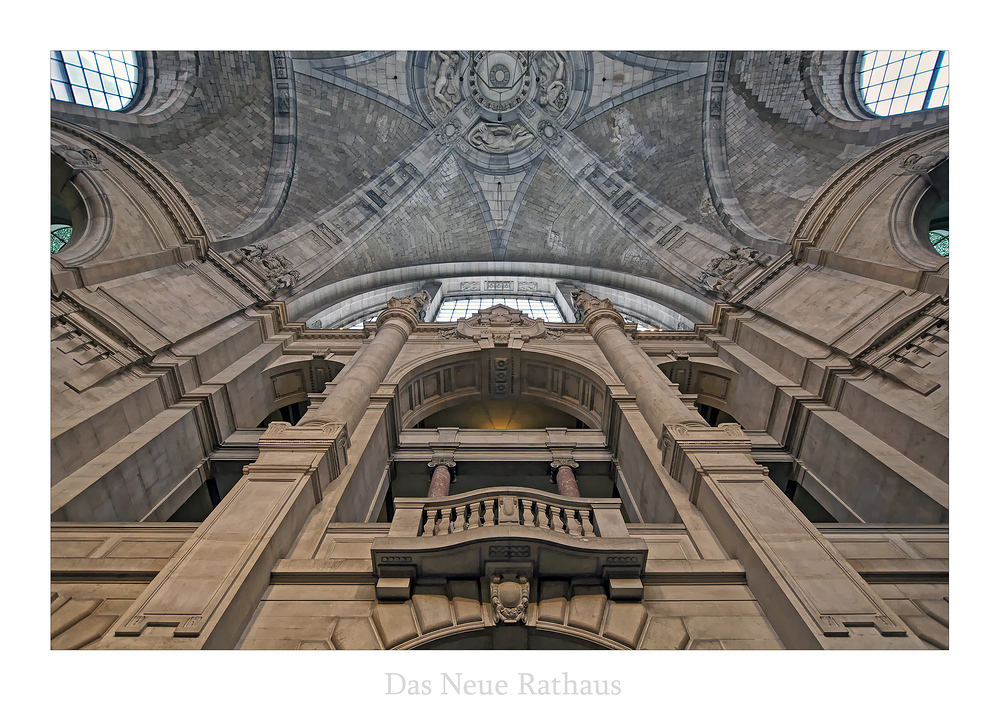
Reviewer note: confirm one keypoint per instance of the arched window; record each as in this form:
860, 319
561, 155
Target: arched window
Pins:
938, 230
453, 309
891, 82
108, 79
60, 236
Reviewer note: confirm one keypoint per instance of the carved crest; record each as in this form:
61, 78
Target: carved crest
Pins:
509, 597
500, 326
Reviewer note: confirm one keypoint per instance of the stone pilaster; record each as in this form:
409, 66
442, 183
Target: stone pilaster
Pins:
811, 595
204, 596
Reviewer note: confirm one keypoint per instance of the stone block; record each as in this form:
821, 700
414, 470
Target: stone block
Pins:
625, 623
587, 611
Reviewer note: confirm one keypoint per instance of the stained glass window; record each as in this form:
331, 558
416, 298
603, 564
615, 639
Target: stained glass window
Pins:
536, 308
897, 81
60, 236
107, 79
939, 241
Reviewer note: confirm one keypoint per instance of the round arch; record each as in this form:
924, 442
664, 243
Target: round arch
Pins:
544, 375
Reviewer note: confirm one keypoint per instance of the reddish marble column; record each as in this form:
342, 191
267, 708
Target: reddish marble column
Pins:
565, 479
440, 479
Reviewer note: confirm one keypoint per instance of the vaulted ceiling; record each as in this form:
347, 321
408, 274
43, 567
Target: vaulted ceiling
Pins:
631, 166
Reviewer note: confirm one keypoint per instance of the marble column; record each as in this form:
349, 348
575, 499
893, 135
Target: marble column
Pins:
349, 399
565, 478
659, 402
441, 478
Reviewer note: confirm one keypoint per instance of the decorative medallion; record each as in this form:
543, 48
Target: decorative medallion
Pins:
509, 597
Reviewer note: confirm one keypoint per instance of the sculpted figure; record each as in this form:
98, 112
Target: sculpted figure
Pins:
251, 252
446, 90
552, 92
496, 138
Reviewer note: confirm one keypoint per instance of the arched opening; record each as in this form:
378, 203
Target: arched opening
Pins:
511, 637
291, 413
502, 414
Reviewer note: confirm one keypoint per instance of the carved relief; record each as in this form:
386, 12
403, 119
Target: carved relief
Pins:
78, 157
500, 326
586, 303
273, 269
415, 303
509, 597
553, 89
721, 271
500, 139
443, 70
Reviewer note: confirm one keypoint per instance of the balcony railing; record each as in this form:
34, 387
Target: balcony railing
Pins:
574, 520
497, 506
472, 534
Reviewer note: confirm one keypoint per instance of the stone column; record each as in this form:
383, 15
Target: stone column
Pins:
565, 478
349, 399
659, 403
441, 478
205, 595
811, 595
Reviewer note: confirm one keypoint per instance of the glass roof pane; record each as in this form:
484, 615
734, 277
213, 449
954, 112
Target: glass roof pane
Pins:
112, 86
920, 82
902, 86
88, 60
927, 60
453, 309
80, 95
61, 92
76, 75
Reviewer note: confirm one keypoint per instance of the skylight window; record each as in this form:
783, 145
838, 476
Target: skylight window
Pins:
892, 82
108, 79
453, 310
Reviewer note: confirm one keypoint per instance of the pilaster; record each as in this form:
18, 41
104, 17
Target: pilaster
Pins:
203, 598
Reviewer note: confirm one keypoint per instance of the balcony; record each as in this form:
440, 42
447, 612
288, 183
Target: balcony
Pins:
508, 529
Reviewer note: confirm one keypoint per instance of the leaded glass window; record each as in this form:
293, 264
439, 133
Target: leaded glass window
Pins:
939, 241
892, 82
60, 236
537, 308
108, 79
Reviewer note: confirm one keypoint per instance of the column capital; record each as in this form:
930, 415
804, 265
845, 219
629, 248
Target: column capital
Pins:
593, 309
409, 309
564, 462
